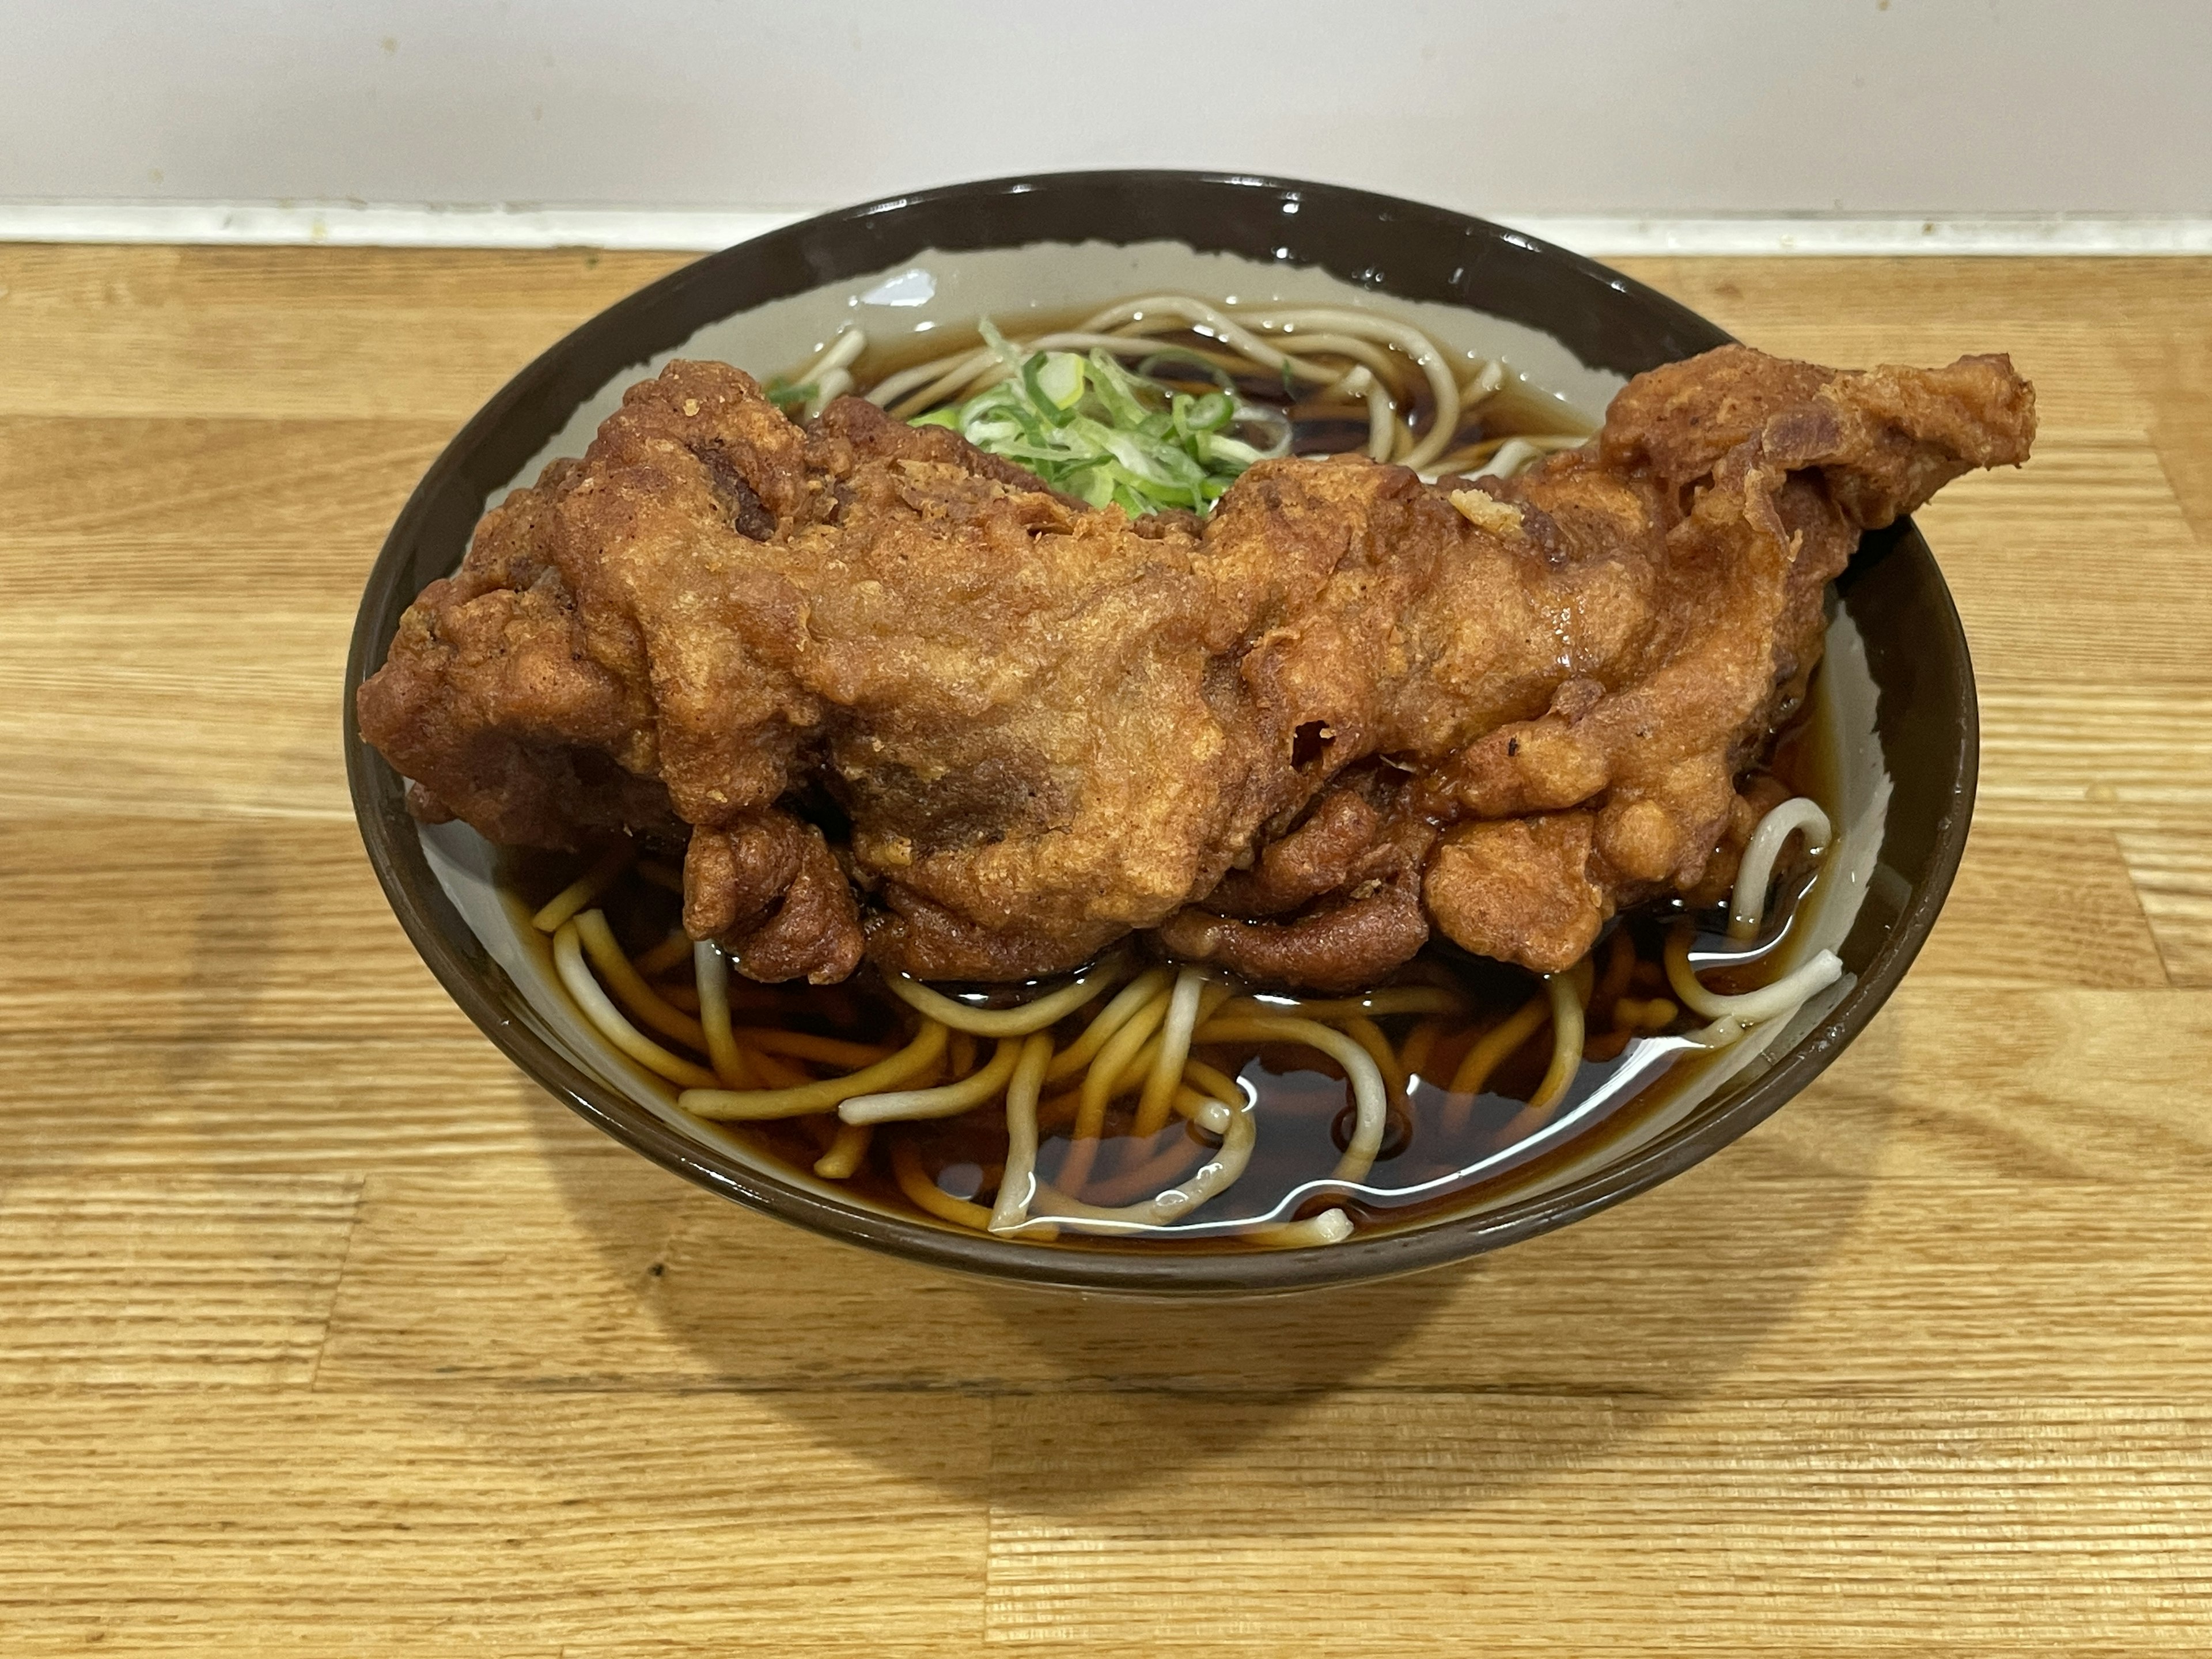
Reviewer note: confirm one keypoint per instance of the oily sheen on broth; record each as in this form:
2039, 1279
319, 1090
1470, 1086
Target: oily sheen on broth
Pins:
1184, 775
1170, 1105
1458, 1120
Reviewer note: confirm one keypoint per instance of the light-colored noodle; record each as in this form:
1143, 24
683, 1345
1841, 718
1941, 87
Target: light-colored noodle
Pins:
585, 888
1381, 419
631, 989
966, 375
711, 969
1371, 1104
1566, 995
1369, 1036
1747, 903
1402, 439
1125, 1006
742, 1105
597, 1007
1008, 1022
1237, 1128
846, 348
948, 1101
1486, 384
892, 389
1185, 308
1018, 1181
1371, 369
1512, 455
1732, 1016
1218, 1085
926, 1195
1467, 462
1167, 1067
1138, 1069
1228, 362
1409, 339
1329, 1227
1098, 1085
845, 1152
828, 375
971, 370
1139, 1066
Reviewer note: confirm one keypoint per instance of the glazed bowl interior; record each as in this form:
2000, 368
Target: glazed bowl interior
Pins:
1894, 697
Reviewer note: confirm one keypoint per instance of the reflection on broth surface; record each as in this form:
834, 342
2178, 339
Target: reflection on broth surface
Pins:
1462, 1049
1341, 381
860, 705
1164, 1104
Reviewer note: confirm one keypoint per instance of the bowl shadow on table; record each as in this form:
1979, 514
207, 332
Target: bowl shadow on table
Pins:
203, 963
1665, 1298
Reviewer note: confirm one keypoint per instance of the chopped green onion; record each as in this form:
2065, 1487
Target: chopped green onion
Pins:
1059, 378
1150, 367
1089, 427
788, 397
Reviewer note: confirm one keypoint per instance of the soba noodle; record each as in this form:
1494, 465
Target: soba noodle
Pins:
1359, 359
1141, 1039
1124, 1043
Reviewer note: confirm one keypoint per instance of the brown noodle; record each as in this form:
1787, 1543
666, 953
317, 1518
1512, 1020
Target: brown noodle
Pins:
1187, 1128
1191, 1128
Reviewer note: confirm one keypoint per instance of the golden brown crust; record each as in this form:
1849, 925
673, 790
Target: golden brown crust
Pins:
1520, 889
1342, 944
1290, 739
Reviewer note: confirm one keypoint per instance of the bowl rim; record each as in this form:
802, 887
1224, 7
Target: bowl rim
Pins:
866, 237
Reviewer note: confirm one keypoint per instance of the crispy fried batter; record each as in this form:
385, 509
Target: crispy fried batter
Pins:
1290, 739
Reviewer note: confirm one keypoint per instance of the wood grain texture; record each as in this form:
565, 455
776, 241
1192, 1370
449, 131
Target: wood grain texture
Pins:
321, 1331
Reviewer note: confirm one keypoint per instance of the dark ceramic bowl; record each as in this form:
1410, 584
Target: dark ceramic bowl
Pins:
1897, 685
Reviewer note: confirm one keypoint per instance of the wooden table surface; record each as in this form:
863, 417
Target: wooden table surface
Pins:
321, 1331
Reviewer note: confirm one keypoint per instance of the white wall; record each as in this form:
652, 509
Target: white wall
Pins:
1542, 106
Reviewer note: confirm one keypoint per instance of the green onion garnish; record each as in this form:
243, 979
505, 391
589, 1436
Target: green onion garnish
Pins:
1086, 425
785, 396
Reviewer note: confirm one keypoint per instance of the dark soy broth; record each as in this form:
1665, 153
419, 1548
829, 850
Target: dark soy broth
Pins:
1441, 1152
1518, 408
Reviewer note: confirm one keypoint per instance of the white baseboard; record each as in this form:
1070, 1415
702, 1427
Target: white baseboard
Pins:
358, 224
355, 224
1818, 234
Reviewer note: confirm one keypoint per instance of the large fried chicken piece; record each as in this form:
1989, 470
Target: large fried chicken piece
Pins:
901, 697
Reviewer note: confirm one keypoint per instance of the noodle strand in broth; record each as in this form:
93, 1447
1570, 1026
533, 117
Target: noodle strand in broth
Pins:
1145, 1038
1389, 371
1117, 1029
889, 1086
